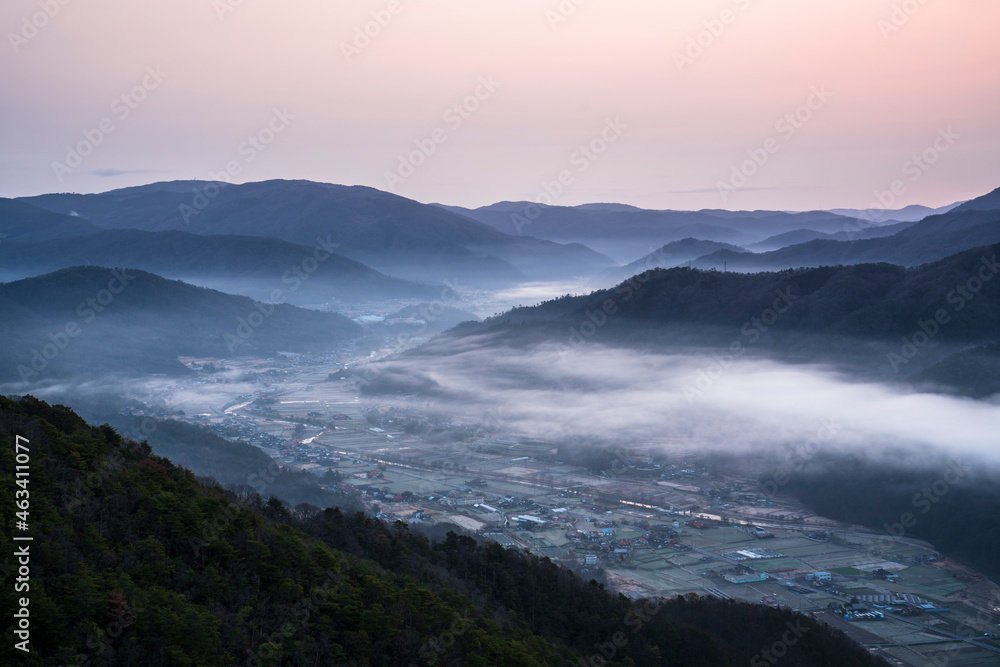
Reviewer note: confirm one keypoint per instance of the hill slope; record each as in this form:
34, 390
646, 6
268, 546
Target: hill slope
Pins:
97, 321
987, 202
857, 313
390, 233
145, 566
250, 265
626, 232
21, 222
929, 240
676, 253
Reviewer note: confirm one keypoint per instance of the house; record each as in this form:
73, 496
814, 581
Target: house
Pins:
751, 577
532, 519
886, 575
463, 501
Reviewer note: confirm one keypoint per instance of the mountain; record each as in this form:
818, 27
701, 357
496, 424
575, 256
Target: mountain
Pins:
988, 202
134, 562
393, 234
912, 213
974, 372
94, 321
875, 492
250, 265
794, 237
25, 223
798, 236
929, 240
677, 253
856, 315
625, 232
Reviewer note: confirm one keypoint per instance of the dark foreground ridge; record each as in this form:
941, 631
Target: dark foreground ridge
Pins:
134, 561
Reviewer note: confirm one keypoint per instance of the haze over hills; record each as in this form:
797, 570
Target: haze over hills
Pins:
489, 246
91, 321
261, 268
624, 364
28, 224
799, 236
676, 253
625, 233
912, 213
973, 224
854, 315
694, 363
987, 202
398, 236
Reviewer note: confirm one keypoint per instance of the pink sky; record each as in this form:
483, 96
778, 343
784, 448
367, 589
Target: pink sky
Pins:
229, 64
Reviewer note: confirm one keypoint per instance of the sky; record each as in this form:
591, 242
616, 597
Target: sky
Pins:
687, 104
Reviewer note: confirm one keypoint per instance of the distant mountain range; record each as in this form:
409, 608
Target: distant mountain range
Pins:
625, 232
676, 253
258, 267
753, 240
798, 236
395, 235
92, 321
912, 213
304, 243
975, 223
246, 238
24, 223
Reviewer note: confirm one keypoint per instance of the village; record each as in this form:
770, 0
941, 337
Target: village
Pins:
659, 522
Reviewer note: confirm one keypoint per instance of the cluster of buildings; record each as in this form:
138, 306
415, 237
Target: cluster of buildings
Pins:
754, 554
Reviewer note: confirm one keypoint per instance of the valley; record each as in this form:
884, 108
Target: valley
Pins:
661, 520
523, 334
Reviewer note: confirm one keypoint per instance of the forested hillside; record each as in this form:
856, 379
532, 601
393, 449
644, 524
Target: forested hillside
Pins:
944, 499
134, 562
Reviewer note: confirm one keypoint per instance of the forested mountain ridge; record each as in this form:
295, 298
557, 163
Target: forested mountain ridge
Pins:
390, 233
976, 223
134, 562
625, 232
865, 309
59, 325
22, 222
254, 266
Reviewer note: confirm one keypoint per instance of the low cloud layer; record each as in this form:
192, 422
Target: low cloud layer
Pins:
598, 395
612, 396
